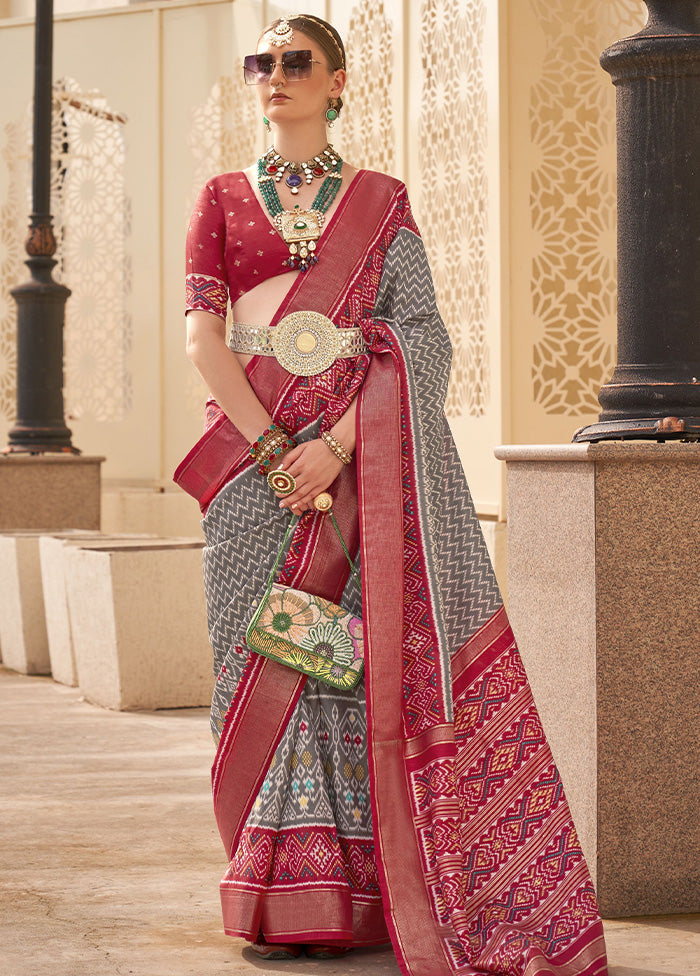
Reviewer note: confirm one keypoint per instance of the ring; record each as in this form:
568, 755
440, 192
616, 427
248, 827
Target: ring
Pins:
282, 482
323, 502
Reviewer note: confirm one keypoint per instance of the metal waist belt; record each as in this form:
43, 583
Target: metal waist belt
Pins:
303, 343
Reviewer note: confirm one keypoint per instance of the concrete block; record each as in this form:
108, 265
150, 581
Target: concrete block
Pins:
138, 621
49, 492
23, 640
58, 628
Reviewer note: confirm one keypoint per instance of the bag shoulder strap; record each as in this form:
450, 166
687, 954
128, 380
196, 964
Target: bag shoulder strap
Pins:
345, 549
292, 525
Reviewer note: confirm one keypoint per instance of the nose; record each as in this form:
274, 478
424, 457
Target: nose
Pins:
277, 77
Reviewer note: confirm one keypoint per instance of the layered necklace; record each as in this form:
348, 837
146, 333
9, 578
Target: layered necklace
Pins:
299, 228
316, 167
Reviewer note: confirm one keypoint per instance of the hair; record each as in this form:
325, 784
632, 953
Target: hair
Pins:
324, 34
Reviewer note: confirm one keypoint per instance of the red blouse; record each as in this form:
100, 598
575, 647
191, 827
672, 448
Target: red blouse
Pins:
231, 245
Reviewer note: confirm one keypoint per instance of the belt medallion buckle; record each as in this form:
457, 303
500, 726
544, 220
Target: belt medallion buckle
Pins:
306, 343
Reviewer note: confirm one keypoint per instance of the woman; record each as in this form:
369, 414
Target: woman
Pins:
424, 805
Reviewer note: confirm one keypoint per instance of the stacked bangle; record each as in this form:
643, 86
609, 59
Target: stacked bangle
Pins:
330, 441
273, 441
257, 445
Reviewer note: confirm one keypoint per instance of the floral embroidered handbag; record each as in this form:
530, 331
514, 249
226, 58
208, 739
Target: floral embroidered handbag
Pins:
307, 632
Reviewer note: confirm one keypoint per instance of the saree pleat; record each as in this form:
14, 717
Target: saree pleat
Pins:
426, 802
303, 834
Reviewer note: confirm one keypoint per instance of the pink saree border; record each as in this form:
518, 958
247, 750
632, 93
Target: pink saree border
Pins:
277, 689
410, 921
285, 916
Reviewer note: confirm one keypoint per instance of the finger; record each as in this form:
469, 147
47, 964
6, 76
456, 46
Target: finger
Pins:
295, 498
290, 456
305, 494
299, 502
304, 503
296, 465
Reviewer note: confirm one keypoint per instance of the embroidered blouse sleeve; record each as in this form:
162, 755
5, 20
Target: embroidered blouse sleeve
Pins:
206, 285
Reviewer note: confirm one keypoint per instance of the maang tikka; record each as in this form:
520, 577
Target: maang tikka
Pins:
280, 35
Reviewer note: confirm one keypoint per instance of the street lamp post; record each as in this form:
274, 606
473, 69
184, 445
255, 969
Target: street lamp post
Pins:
654, 391
40, 424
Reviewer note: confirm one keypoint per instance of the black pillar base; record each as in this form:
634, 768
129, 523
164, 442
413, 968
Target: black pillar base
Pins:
644, 428
30, 440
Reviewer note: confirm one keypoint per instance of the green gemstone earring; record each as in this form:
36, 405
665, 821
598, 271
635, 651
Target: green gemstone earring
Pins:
331, 112
266, 122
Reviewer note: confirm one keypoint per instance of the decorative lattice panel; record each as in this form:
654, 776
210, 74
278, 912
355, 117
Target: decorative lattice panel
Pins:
92, 225
222, 135
573, 202
368, 115
13, 230
454, 190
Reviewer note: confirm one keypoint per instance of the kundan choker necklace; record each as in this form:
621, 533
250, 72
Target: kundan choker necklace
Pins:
316, 167
299, 228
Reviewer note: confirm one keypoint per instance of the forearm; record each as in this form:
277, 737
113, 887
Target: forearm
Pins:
228, 383
226, 380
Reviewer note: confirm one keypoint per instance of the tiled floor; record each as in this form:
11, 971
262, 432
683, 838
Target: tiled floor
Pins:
111, 858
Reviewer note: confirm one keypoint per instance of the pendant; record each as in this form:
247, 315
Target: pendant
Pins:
300, 229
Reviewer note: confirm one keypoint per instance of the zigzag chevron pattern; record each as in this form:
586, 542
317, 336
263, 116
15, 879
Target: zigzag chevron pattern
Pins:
468, 588
438, 509
319, 772
243, 528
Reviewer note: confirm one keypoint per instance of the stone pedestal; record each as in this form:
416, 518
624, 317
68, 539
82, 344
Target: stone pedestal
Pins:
49, 491
604, 597
138, 623
53, 580
23, 642
35, 633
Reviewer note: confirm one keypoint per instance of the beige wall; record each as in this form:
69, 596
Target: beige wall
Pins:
497, 116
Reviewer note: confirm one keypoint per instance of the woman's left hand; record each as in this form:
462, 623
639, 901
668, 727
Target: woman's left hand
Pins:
314, 468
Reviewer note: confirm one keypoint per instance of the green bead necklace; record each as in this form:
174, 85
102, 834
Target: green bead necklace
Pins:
299, 228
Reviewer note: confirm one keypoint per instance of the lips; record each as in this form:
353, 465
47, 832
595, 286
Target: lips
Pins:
279, 98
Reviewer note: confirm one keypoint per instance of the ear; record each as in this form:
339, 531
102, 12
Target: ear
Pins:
338, 83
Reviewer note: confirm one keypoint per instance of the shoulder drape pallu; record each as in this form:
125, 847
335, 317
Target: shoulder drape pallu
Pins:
470, 858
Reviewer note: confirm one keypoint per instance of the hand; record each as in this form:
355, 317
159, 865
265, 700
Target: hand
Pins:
314, 467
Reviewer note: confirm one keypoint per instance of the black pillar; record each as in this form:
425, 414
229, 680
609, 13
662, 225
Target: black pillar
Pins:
40, 424
654, 391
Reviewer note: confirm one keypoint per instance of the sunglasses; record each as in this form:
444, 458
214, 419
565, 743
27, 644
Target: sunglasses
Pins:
296, 66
